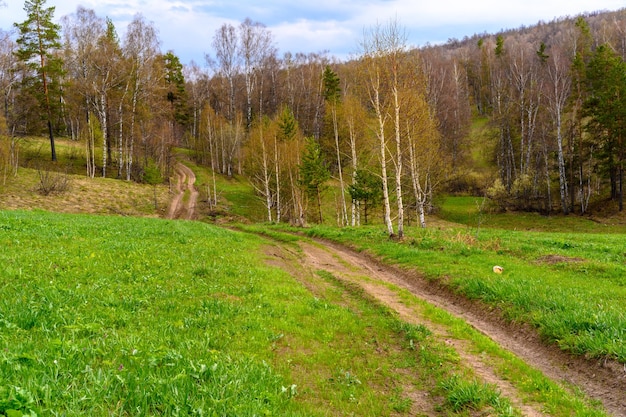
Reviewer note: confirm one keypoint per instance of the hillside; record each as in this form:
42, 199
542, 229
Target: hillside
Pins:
523, 116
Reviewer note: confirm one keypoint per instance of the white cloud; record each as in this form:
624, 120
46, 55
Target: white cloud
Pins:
308, 36
187, 26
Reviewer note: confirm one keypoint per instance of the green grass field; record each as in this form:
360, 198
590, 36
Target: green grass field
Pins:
106, 315
570, 286
109, 316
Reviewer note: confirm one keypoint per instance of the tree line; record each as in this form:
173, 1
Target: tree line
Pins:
553, 95
389, 128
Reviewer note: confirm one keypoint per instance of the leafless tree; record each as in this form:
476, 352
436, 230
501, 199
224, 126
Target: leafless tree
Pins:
256, 47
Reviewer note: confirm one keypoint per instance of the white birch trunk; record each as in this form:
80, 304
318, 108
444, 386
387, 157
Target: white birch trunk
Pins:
398, 163
266, 181
277, 175
383, 161
355, 212
344, 210
103, 117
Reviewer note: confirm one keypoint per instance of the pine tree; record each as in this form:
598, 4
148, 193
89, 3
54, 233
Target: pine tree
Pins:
367, 189
606, 109
38, 40
176, 94
313, 173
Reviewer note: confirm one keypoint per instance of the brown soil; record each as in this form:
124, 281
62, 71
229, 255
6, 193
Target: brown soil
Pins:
557, 259
185, 180
604, 381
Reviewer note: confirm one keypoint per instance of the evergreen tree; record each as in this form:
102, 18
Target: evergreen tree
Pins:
313, 173
332, 95
287, 124
176, 94
367, 189
606, 108
38, 40
332, 90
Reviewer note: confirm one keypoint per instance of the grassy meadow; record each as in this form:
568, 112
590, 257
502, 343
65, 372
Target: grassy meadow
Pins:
107, 315
570, 286
116, 316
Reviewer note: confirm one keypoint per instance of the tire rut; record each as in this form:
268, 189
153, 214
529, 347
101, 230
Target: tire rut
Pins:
185, 181
601, 380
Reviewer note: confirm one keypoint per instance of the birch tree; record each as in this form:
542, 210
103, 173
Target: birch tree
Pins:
226, 45
255, 48
9, 149
109, 76
388, 77
354, 116
8, 76
374, 50
557, 95
260, 164
83, 33
395, 40
141, 49
425, 160
332, 95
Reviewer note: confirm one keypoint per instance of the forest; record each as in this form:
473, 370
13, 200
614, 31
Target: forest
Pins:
393, 127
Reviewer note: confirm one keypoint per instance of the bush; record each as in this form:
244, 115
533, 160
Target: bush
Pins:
498, 195
51, 182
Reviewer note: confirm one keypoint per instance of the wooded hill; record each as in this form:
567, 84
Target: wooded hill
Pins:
532, 117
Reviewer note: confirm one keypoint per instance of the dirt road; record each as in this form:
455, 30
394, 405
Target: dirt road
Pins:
602, 380
185, 180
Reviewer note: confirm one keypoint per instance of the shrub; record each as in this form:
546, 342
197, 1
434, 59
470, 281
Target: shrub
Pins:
51, 182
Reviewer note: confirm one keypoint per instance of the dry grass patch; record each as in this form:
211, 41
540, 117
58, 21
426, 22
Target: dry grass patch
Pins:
86, 195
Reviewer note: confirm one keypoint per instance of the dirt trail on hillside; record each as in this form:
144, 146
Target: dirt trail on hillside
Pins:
185, 180
602, 380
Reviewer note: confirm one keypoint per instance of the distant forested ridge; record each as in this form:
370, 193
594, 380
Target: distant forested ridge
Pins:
533, 117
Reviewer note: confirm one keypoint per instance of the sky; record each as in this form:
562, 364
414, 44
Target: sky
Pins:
187, 27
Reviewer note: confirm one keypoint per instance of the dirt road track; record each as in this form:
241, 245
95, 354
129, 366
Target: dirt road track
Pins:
185, 180
602, 380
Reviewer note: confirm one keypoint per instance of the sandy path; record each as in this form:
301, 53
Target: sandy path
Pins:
185, 180
600, 380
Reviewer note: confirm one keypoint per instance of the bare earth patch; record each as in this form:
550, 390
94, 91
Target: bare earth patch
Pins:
181, 208
558, 259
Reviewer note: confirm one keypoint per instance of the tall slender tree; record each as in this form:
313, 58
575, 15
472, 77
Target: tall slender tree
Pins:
255, 46
557, 92
109, 77
38, 41
8, 75
226, 44
82, 32
332, 95
606, 107
176, 93
374, 50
